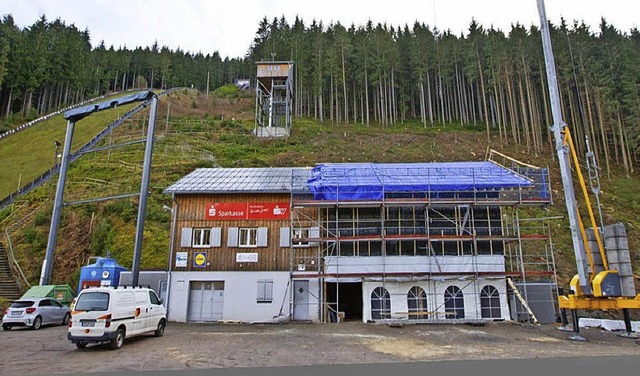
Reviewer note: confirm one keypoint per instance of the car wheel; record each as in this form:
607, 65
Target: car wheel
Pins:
6, 326
81, 345
37, 323
67, 317
160, 331
117, 342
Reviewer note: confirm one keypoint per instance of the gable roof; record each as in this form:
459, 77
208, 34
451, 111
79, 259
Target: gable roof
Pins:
242, 180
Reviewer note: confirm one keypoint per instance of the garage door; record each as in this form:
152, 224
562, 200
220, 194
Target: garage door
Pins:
206, 300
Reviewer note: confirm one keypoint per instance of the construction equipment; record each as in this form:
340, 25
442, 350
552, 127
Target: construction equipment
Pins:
595, 286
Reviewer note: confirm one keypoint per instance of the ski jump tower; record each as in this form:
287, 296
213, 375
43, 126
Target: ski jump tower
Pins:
274, 93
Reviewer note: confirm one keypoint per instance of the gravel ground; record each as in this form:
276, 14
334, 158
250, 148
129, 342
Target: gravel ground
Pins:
196, 346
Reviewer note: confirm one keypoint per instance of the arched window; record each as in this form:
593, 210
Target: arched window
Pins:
490, 303
380, 304
453, 303
417, 302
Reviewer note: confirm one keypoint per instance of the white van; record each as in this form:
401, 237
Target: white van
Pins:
111, 314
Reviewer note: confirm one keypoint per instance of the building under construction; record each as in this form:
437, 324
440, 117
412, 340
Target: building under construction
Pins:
415, 242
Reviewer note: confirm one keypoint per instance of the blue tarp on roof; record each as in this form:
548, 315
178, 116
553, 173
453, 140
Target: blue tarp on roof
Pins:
372, 181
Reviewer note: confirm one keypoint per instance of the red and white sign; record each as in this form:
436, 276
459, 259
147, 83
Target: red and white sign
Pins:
226, 211
247, 210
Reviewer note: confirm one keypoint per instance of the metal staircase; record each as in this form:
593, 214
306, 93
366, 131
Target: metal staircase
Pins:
9, 288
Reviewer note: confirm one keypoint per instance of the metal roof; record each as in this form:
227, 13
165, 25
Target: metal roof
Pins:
242, 180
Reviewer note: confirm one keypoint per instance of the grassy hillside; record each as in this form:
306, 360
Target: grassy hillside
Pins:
216, 131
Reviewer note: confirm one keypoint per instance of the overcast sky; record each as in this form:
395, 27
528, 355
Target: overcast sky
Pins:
228, 26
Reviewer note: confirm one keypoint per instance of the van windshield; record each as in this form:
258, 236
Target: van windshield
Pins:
92, 301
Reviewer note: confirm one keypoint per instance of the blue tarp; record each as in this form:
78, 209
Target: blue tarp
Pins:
79, 113
372, 181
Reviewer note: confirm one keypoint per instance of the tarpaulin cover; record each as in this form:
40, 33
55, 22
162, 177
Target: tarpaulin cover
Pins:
371, 181
78, 113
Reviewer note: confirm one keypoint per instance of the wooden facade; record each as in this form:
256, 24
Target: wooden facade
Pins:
192, 213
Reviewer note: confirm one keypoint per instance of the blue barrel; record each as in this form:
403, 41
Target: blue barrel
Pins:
105, 272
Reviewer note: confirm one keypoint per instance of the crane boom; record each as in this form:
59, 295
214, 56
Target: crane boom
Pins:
562, 149
590, 289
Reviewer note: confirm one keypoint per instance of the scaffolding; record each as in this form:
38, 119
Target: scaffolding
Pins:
413, 239
274, 95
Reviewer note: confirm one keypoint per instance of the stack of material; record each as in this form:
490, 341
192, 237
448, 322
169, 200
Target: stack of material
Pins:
617, 251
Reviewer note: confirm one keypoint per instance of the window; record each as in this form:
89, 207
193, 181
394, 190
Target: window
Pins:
490, 303
298, 235
93, 301
380, 304
45, 303
417, 302
454, 303
201, 238
265, 291
154, 298
248, 237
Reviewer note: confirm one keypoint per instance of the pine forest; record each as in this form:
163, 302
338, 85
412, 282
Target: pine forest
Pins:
372, 74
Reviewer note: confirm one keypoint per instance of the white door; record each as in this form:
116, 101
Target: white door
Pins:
206, 301
218, 300
141, 320
195, 301
301, 300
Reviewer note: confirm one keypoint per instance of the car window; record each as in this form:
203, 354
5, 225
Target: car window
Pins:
56, 303
44, 303
92, 301
154, 299
22, 304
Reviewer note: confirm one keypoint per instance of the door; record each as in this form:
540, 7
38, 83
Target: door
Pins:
195, 302
141, 320
218, 301
206, 301
301, 300
44, 309
57, 311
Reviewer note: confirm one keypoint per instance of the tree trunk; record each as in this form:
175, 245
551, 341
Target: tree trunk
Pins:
623, 148
605, 144
344, 89
366, 90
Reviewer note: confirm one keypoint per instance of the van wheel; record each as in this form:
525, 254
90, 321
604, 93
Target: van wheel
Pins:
81, 345
160, 331
117, 342
37, 323
65, 320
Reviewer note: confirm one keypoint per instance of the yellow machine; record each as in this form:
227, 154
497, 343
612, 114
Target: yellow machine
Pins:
591, 288
605, 291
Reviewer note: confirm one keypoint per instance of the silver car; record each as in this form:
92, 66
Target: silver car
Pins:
35, 312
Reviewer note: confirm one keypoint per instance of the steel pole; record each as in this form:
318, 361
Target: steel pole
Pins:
144, 192
45, 276
563, 153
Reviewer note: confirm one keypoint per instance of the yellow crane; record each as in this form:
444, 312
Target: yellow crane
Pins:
590, 288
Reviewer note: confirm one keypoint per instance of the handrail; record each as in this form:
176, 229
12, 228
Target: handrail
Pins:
43, 178
13, 262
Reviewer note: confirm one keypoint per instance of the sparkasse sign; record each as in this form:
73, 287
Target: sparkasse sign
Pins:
247, 210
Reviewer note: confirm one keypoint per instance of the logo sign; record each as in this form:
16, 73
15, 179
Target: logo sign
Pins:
269, 210
200, 259
247, 211
181, 259
105, 274
226, 211
246, 257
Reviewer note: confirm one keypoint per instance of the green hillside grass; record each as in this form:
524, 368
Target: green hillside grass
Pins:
202, 132
29, 153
